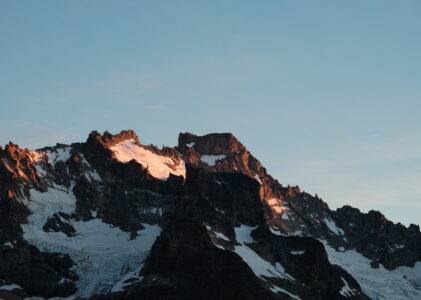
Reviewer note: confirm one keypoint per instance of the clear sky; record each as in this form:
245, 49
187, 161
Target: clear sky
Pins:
327, 94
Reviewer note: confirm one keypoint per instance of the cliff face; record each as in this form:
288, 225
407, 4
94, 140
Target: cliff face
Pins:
112, 218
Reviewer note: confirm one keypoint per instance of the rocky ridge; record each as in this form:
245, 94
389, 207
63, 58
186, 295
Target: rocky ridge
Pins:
203, 220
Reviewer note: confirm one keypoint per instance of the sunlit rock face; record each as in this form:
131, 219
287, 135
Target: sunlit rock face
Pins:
111, 218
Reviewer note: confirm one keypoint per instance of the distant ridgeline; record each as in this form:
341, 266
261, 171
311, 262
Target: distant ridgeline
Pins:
111, 218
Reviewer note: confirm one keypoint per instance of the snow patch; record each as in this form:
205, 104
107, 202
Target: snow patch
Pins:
259, 265
10, 287
242, 233
276, 231
277, 206
219, 235
91, 174
284, 217
159, 166
276, 289
190, 144
346, 290
37, 156
211, 159
332, 226
60, 154
297, 252
256, 263
295, 233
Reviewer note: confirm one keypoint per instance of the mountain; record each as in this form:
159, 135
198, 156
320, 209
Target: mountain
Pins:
112, 218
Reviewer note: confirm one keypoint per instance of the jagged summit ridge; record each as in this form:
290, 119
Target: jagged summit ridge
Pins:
108, 139
154, 217
214, 143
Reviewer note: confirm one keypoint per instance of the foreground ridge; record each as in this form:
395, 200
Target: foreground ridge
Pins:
112, 218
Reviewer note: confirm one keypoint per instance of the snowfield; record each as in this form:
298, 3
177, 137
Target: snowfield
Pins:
159, 166
103, 254
403, 283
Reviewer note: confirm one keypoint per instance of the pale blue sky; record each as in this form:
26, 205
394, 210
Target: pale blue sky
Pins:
327, 94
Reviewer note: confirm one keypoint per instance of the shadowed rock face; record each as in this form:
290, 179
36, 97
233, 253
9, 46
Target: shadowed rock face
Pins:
107, 139
379, 239
215, 143
38, 273
228, 230
235, 159
184, 258
371, 234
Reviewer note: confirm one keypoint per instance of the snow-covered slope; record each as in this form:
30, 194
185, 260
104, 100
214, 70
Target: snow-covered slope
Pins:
403, 283
159, 166
103, 253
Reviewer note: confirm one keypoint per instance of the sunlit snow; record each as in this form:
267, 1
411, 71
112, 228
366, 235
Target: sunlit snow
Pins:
159, 166
276, 205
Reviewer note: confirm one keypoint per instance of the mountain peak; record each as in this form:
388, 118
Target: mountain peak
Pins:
210, 144
207, 208
108, 139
